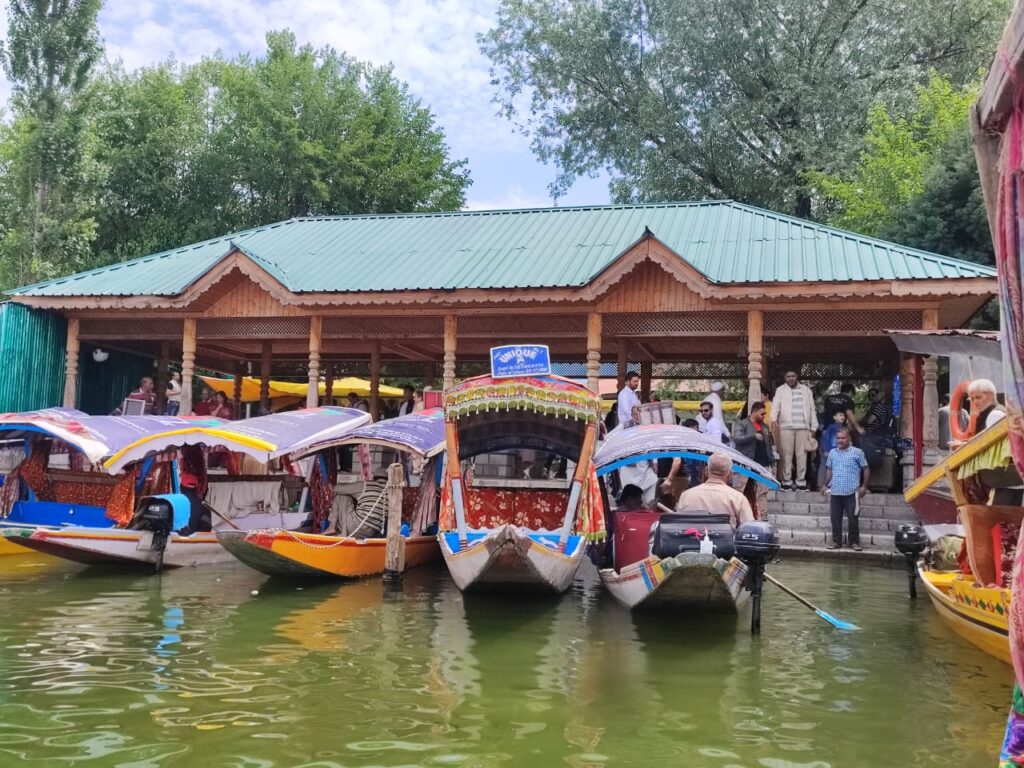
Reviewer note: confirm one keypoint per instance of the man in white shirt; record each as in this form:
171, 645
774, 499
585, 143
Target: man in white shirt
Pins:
710, 423
628, 398
794, 413
407, 401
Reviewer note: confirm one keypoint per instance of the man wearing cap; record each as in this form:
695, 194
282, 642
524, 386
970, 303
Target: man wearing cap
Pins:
199, 518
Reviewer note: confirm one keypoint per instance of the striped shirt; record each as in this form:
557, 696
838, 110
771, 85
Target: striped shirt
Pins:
846, 466
799, 419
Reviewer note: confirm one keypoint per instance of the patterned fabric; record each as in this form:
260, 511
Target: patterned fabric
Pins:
93, 494
194, 463
846, 469
33, 470
1012, 753
10, 492
551, 395
321, 486
121, 503
797, 409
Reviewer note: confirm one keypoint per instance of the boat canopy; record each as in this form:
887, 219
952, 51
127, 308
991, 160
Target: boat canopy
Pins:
263, 437
546, 413
420, 433
96, 437
668, 441
251, 388
988, 451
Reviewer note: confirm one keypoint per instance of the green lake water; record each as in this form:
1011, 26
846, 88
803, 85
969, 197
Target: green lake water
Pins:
192, 669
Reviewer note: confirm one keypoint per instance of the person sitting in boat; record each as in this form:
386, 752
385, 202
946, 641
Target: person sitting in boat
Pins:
982, 393
631, 499
715, 494
199, 518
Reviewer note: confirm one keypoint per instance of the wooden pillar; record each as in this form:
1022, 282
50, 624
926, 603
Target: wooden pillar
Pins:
428, 375
188, 362
594, 351
236, 395
986, 155
329, 384
906, 396
930, 395
315, 331
394, 552
71, 364
623, 361
755, 355
450, 335
375, 381
646, 371
160, 386
266, 363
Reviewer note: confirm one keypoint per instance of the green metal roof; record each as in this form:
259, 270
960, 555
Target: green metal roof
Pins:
551, 247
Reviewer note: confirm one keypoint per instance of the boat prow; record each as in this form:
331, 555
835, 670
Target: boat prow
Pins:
689, 581
279, 552
978, 614
513, 559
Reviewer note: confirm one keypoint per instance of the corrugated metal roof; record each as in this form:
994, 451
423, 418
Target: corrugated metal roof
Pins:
540, 248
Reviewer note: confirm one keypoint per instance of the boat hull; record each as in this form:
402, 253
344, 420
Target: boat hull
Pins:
512, 559
977, 614
935, 506
288, 553
689, 582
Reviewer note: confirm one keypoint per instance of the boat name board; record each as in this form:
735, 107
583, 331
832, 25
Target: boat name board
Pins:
520, 360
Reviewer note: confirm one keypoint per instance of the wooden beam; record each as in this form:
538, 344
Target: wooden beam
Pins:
329, 384
987, 147
316, 326
394, 551
407, 353
188, 361
71, 351
236, 396
995, 102
623, 362
375, 382
645, 380
593, 351
450, 341
162, 377
266, 365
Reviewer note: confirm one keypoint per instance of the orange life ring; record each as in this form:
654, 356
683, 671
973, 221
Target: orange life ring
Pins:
956, 405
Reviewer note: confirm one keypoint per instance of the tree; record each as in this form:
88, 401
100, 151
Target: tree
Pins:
50, 52
721, 98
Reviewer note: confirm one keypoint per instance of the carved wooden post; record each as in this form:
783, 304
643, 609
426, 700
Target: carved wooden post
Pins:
755, 355
375, 381
160, 387
188, 362
71, 364
315, 331
594, 351
930, 396
266, 364
394, 553
450, 335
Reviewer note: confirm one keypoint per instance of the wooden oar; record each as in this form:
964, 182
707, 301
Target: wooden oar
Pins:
218, 514
837, 623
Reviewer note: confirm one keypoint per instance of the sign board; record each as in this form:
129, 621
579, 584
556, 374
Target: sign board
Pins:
520, 360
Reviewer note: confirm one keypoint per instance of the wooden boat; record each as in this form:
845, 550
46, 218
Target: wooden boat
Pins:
687, 581
975, 605
519, 535
282, 552
263, 438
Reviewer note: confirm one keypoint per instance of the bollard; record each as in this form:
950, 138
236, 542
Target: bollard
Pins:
394, 557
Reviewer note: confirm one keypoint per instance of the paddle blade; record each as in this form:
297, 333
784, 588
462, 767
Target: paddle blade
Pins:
837, 623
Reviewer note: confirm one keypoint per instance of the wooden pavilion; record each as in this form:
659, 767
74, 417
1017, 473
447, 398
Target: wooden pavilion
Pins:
700, 290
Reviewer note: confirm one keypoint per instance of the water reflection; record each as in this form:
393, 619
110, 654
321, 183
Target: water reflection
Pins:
110, 670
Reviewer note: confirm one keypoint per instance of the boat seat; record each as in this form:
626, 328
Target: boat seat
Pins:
978, 521
535, 510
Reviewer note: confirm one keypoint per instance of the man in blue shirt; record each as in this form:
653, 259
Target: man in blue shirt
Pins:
846, 481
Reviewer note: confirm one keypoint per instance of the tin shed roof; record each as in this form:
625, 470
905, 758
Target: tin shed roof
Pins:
728, 242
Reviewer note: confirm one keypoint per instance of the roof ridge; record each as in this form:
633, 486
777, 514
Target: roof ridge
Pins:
868, 239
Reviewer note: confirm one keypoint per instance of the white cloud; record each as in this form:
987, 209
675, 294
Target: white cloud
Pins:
514, 196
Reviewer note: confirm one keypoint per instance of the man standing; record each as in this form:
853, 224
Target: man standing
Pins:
846, 482
627, 397
407, 401
754, 440
716, 495
794, 413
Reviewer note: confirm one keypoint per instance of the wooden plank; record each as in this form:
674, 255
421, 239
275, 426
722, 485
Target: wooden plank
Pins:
394, 553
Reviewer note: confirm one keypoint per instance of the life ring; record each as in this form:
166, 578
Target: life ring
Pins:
956, 406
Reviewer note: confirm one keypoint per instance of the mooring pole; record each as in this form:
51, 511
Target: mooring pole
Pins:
394, 557
755, 580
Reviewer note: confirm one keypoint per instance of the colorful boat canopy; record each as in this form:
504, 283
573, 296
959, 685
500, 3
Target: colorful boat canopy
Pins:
420, 433
989, 449
551, 396
662, 441
340, 388
263, 437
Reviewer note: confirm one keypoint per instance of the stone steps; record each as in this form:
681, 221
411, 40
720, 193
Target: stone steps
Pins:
824, 523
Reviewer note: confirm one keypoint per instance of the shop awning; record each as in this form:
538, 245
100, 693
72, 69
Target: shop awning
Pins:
251, 388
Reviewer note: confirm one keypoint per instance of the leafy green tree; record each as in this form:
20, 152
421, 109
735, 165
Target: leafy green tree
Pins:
47, 197
721, 98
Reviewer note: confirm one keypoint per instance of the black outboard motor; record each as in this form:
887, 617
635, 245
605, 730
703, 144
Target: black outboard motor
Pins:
757, 542
911, 541
155, 514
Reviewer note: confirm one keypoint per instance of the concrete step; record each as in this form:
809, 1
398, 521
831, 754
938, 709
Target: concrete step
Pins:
824, 523
871, 507
821, 538
813, 497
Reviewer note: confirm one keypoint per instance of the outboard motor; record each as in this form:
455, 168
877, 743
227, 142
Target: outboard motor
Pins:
911, 541
160, 515
757, 542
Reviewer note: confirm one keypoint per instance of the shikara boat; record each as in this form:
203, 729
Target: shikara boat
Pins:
263, 438
518, 535
976, 605
686, 581
282, 552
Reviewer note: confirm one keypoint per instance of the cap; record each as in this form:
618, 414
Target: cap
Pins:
188, 480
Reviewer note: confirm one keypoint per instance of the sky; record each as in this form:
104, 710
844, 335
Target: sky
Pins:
431, 43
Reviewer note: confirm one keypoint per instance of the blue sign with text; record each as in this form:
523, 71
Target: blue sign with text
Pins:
520, 360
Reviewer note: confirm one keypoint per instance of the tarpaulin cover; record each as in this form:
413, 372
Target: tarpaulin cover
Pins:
420, 433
